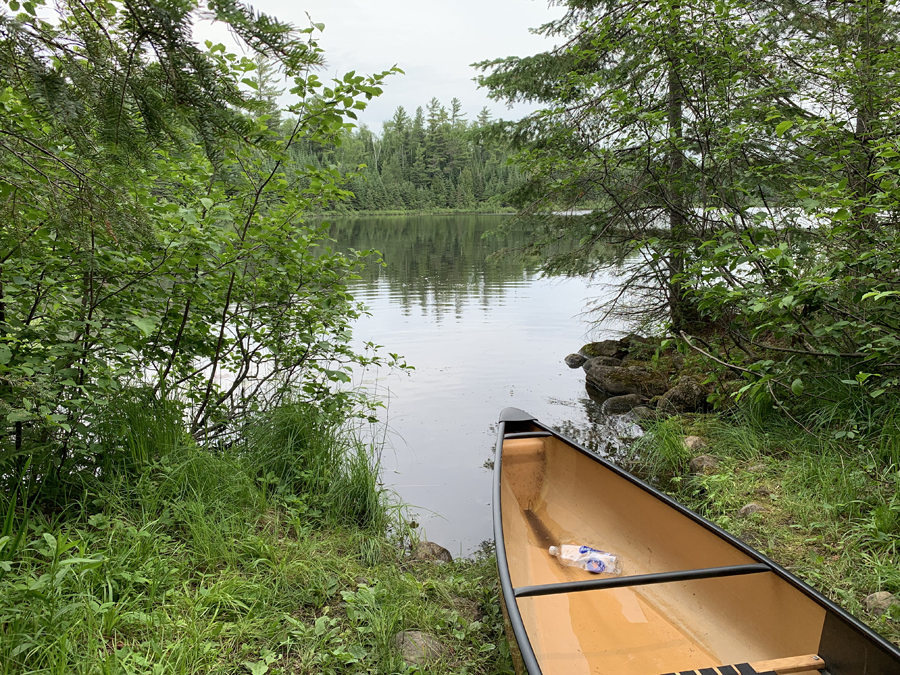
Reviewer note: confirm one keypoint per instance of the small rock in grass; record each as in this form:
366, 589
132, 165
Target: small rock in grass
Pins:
428, 550
880, 602
704, 464
575, 360
763, 492
417, 648
752, 508
468, 609
694, 443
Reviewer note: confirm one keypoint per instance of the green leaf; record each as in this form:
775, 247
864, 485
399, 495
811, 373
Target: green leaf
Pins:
797, 387
145, 324
783, 127
257, 667
842, 214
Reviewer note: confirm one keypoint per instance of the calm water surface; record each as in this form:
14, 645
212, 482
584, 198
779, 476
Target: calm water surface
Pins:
482, 334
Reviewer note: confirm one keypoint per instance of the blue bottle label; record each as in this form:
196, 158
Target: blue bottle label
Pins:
596, 566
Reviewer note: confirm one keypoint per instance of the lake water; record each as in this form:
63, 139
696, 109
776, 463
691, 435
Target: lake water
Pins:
482, 334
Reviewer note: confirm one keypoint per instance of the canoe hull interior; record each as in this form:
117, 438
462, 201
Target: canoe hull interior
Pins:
553, 492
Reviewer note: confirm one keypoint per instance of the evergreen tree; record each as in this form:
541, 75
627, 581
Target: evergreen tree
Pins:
645, 124
437, 159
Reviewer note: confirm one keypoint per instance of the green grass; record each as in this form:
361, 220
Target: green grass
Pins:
833, 504
279, 554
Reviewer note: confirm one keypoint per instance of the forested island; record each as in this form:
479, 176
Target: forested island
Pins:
433, 160
180, 487
430, 160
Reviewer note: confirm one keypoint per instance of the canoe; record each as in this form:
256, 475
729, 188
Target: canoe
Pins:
691, 599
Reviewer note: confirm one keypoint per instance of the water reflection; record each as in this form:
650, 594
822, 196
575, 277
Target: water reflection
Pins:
483, 334
437, 263
607, 435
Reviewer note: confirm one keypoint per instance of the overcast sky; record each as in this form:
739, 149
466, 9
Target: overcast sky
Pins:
433, 41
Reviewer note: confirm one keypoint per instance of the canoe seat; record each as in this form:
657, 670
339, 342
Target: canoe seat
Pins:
793, 664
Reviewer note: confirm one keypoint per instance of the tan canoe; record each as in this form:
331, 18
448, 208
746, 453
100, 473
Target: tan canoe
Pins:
691, 598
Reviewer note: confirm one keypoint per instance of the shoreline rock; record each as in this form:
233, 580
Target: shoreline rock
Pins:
428, 550
575, 360
622, 380
688, 395
601, 361
612, 348
619, 405
638, 366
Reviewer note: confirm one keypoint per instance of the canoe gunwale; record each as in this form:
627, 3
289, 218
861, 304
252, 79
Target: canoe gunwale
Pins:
640, 580
506, 588
511, 594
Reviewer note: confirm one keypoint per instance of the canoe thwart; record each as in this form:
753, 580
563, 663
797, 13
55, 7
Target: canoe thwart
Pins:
526, 434
640, 580
792, 664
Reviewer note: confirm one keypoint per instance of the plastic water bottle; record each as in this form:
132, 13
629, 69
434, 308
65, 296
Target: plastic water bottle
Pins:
587, 558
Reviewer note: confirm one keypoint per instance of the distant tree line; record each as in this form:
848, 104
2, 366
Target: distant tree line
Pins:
433, 160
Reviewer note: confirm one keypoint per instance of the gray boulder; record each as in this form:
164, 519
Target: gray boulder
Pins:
637, 347
428, 550
685, 397
621, 380
608, 361
575, 360
603, 348
619, 405
642, 412
417, 648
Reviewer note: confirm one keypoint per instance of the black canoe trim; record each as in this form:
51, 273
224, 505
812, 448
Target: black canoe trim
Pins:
512, 608
530, 661
516, 415
640, 580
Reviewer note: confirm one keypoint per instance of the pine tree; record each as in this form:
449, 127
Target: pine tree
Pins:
640, 126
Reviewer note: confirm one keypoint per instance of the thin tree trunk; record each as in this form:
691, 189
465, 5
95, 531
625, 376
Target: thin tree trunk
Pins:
866, 103
675, 199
